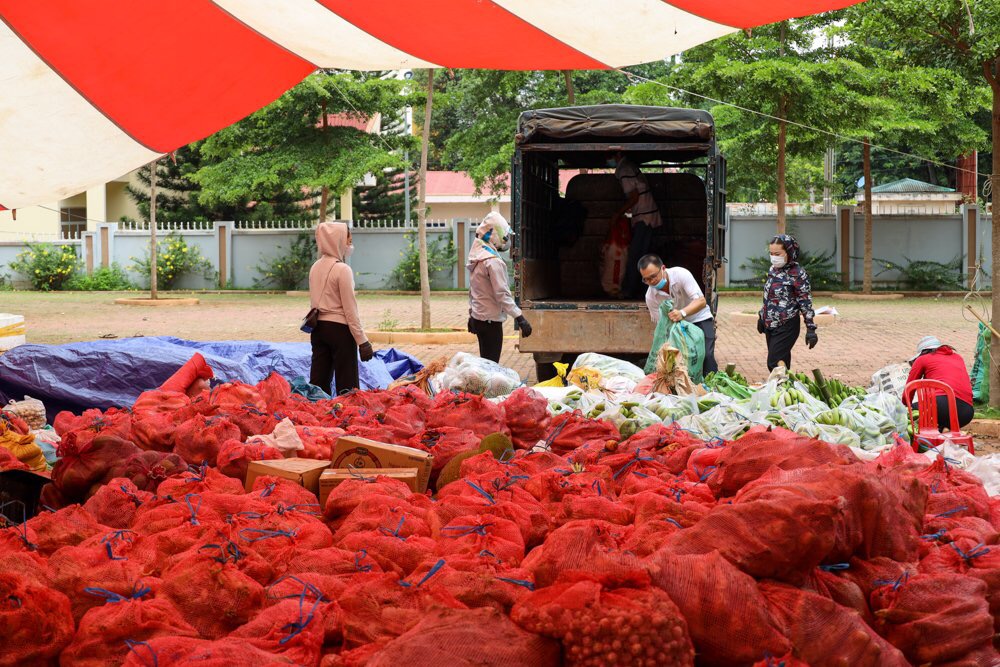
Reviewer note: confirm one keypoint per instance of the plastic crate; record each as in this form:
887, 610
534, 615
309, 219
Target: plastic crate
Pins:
19, 494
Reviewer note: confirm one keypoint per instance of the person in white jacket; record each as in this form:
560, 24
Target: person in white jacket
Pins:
490, 301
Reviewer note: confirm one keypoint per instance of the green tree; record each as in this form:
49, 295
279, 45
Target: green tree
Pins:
178, 197
964, 37
289, 145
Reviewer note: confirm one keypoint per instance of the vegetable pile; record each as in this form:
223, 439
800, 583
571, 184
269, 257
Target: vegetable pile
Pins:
585, 548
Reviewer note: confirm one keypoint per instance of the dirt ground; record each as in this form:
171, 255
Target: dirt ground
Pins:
865, 337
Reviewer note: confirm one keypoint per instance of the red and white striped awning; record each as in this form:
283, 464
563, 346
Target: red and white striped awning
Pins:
91, 89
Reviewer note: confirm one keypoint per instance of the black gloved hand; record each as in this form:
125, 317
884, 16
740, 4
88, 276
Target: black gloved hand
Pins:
760, 325
472, 326
811, 338
522, 324
366, 351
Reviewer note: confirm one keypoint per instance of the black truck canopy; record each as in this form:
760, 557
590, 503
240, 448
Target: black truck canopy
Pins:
622, 123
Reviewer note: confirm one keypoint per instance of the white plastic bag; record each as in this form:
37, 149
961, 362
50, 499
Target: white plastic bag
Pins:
31, 410
609, 367
284, 438
890, 380
475, 375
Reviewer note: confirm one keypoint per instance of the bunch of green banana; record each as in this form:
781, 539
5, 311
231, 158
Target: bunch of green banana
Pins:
706, 404
808, 383
835, 417
840, 392
725, 384
776, 419
788, 396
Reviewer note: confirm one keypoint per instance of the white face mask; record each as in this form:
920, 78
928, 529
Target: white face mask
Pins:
777, 261
349, 251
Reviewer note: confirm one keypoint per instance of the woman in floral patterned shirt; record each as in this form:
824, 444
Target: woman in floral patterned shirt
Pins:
787, 296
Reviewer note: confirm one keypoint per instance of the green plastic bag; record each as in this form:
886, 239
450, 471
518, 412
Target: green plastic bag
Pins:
981, 367
686, 337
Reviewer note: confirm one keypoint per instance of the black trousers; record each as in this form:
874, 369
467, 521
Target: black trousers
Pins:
334, 356
708, 327
642, 239
780, 342
490, 335
965, 413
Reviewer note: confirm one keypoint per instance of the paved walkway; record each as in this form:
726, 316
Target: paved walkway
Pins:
866, 337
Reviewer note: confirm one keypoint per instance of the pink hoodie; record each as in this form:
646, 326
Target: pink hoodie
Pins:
331, 281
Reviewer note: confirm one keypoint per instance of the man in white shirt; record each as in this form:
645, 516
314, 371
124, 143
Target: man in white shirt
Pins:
640, 203
679, 285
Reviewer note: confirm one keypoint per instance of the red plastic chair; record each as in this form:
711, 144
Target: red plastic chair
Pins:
926, 433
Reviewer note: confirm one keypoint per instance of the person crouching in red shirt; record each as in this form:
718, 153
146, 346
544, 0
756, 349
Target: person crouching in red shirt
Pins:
937, 361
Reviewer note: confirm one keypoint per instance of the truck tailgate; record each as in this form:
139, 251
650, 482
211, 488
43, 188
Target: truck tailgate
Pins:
605, 327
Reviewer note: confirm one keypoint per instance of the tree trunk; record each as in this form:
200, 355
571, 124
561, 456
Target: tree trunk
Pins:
570, 92
866, 286
994, 81
425, 282
152, 229
324, 202
782, 132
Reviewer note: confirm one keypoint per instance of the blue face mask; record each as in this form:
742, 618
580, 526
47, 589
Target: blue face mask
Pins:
660, 285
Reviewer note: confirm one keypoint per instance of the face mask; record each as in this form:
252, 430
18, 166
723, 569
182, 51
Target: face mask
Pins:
612, 162
777, 261
349, 251
503, 245
660, 285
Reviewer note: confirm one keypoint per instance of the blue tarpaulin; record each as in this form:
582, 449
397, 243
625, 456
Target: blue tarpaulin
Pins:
112, 373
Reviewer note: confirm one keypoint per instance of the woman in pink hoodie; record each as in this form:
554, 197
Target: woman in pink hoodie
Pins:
339, 336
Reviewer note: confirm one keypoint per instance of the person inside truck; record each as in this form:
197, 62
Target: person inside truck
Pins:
490, 301
640, 203
678, 284
787, 296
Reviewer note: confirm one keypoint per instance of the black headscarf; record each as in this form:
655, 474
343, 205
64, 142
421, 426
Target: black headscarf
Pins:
790, 245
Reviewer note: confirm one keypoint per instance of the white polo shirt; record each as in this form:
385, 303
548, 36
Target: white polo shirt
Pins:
682, 290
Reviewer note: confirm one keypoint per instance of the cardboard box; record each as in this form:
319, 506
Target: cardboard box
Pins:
332, 477
304, 472
363, 453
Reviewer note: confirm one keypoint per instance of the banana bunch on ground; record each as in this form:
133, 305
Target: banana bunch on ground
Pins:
840, 392
835, 417
788, 396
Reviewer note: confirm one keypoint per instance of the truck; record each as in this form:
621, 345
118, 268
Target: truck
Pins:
563, 198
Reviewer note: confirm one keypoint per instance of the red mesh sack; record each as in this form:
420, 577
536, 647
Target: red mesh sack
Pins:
10, 462
871, 574
293, 629
81, 466
110, 563
356, 657
105, 632
212, 593
528, 418
824, 633
174, 403
702, 463
35, 622
471, 535
235, 456
113, 423
277, 540
280, 491
599, 625
198, 439
349, 494
727, 617
782, 540
571, 429
231, 396
334, 562
250, 421
378, 608
934, 618
470, 637
392, 552
318, 441
756, 452
942, 530
147, 469
480, 580
274, 389
577, 508
593, 547
403, 421
844, 592
882, 516
115, 503
530, 517
154, 431
167, 513
67, 527
788, 660
189, 652
389, 515
468, 412
312, 589
199, 480
195, 368
445, 443
959, 501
